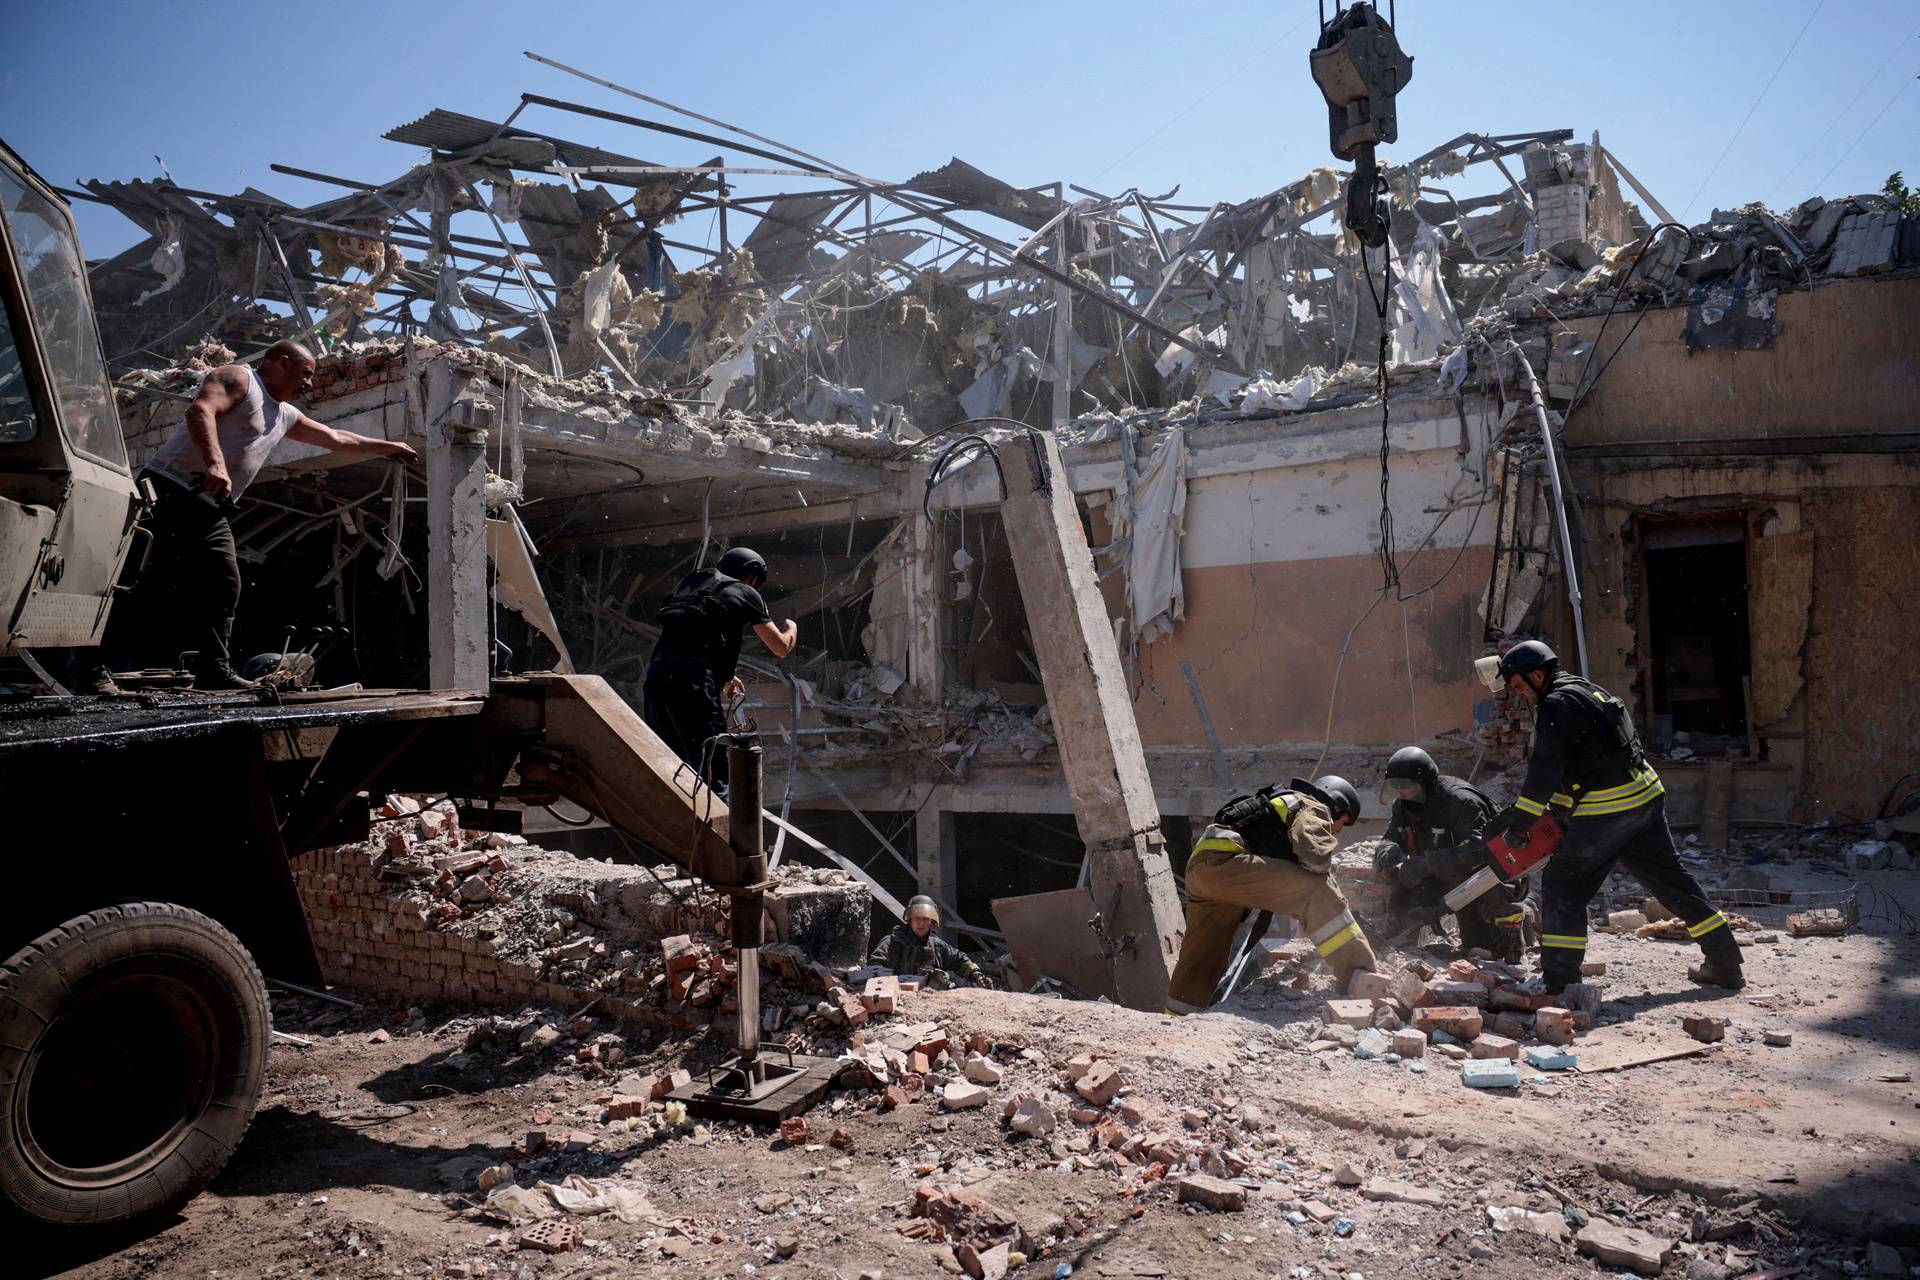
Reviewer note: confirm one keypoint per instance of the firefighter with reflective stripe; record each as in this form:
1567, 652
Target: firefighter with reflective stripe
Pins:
1270, 851
1434, 822
1589, 769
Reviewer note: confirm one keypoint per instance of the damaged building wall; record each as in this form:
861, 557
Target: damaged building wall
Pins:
1804, 452
1279, 563
1844, 362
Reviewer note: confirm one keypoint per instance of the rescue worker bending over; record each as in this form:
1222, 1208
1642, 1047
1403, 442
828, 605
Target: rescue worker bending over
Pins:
1434, 822
1589, 769
1270, 851
913, 949
698, 652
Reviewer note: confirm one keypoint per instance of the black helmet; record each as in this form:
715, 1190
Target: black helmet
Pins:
1528, 655
1333, 791
743, 563
921, 905
1409, 769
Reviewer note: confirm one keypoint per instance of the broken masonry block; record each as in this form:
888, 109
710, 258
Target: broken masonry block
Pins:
892, 1096
680, 953
840, 1138
1490, 1073
1593, 968
1410, 989
1078, 1065
1705, 1028
624, 1106
1553, 1025
1033, 1117
793, 1131
1368, 985
1410, 1043
1373, 1044
1778, 1039
1213, 1193
960, 1096
1617, 1246
1494, 1047
1357, 1014
671, 1081
1547, 1058
881, 994
1581, 997
1514, 1026
1459, 1021
981, 1070
1099, 1084
1626, 921
1459, 993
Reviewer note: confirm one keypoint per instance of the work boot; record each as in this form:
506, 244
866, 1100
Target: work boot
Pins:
220, 677
98, 681
1721, 966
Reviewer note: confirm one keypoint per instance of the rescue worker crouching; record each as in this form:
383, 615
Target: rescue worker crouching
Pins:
1434, 823
1589, 769
914, 949
1271, 851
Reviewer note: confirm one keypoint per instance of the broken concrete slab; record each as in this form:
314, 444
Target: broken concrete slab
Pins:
1214, 1193
1490, 1073
1616, 1246
1404, 1193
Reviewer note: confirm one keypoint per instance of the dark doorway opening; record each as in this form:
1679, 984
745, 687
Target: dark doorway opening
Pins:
1696, 597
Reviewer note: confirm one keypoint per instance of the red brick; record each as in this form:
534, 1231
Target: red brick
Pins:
1368, 985
1462, 1022
1457, 993
622, 1106
793, 1130
1099, 1084
1553, 1025
1352, 1013
1704, 1028
1495, 1047
1410, 989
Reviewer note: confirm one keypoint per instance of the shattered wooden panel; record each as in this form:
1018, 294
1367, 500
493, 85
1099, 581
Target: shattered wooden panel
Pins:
1863, 705
1779, 598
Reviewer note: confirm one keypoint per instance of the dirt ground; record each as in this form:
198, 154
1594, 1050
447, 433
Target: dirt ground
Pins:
364, 1155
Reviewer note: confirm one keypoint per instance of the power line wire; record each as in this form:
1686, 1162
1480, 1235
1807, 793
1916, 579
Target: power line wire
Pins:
1845, 111
1688, 212
1908, 84
1199, 101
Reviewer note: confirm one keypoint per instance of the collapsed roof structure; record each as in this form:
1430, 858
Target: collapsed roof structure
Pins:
1246, 402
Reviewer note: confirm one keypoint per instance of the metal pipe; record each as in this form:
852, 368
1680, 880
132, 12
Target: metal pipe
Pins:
1567, 565
744, 834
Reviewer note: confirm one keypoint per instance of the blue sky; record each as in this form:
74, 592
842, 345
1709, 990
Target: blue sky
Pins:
1212, 97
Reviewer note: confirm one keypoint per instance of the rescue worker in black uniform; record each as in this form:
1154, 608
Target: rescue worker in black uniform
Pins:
913, 949
1589, 770
694, 662
1435, 820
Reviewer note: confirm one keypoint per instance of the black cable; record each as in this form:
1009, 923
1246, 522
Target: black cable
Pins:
1382, 301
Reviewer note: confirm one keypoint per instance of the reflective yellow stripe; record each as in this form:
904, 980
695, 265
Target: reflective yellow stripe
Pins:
1562, 799
1220, 846
1340, 939
1533, 807
1332, 926
1645, 786
1515, 918
1640, 779
1712, 922
1279, 804
1572, 942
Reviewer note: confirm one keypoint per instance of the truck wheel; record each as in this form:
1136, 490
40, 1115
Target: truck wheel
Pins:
133, 1044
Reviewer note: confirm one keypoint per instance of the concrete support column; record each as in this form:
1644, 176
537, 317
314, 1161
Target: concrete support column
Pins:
1106, 768
925, 589
934, 852
458, 640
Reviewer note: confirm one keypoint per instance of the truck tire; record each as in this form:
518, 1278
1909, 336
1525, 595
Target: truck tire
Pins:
133, 1044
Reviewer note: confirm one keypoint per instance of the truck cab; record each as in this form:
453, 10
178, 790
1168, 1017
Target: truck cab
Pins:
68, 501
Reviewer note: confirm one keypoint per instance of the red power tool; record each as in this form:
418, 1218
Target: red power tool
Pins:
1512, 857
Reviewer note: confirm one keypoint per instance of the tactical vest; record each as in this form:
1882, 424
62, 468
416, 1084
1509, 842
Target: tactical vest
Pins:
1262, 820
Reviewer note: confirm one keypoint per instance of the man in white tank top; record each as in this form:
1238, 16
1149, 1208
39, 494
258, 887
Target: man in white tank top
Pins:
231, 428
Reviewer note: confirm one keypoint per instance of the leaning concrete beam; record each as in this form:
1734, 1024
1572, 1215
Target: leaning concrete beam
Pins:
1106, 769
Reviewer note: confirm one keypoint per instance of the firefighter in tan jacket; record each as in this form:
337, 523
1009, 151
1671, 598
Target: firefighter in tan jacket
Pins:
1271, 851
